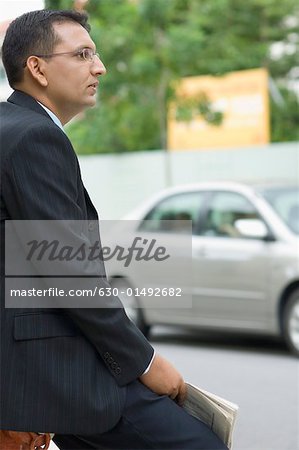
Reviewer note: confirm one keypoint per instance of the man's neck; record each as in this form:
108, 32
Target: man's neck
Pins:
45, 101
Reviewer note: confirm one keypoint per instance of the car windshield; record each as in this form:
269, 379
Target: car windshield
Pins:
285, 201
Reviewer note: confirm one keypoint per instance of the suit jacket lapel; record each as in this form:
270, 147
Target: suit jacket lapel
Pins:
26, 101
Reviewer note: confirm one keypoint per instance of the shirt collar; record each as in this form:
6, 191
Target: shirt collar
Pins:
52, 115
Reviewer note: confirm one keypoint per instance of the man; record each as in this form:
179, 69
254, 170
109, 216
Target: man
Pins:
86, 374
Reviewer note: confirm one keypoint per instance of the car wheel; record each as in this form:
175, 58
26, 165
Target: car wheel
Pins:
291, 322
131, 305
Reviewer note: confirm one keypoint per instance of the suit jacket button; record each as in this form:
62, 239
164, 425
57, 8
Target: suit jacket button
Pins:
114, 365
110, 360
106, 355
118, 371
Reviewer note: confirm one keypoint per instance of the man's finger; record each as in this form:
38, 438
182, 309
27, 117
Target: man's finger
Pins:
182, 394
174, 394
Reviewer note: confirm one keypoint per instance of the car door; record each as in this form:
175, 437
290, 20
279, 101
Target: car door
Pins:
172, 222
231, 272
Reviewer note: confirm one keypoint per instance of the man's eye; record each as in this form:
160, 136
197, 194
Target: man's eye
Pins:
81, 55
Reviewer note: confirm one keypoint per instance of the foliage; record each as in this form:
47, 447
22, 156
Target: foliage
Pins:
285, 117
148, 45
59, 4
189, 108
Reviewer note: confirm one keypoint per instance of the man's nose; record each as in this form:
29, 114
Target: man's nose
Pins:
98, 67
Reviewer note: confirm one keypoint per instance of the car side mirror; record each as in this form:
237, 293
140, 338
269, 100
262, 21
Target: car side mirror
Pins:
251, 228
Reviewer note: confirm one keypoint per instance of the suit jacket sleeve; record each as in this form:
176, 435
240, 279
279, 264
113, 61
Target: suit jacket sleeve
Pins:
41, 179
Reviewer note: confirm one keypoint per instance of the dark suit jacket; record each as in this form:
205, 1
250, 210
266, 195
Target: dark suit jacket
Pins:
62, 370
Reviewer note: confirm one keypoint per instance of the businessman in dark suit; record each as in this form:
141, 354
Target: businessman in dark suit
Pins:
86, 374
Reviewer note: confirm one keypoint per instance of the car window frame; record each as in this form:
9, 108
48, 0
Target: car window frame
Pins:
209, 198
198, 218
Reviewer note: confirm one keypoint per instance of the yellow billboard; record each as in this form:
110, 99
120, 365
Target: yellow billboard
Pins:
243, 102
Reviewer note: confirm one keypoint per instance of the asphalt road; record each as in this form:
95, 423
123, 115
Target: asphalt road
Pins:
257, 373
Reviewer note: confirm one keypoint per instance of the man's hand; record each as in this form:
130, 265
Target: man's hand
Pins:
164, 379
19, 440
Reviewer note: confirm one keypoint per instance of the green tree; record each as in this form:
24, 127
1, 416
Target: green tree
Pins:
148, 45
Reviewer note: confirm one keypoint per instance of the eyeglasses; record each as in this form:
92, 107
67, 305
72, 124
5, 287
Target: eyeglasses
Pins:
85, 54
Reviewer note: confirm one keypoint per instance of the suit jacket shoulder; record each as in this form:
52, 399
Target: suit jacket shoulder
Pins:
22, 119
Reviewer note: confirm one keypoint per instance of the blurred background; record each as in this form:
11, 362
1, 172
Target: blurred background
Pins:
206, 91
196, 90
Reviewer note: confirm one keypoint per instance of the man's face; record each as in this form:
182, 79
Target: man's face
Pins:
72, 81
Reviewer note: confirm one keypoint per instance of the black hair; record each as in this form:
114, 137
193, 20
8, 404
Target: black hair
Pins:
33, 33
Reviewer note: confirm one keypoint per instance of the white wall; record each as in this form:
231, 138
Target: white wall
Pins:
118, 183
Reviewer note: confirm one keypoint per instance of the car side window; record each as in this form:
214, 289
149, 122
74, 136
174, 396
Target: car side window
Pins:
173, 214
286, 204
224, 210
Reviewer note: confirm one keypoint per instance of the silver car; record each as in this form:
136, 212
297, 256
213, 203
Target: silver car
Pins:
245, 254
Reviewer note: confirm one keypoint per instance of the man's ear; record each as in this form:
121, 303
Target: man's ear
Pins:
36, 67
